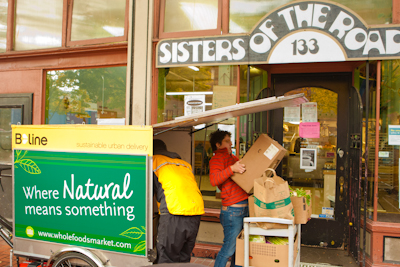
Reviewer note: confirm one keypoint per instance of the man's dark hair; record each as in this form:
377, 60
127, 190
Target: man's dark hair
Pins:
158, 145
217, 137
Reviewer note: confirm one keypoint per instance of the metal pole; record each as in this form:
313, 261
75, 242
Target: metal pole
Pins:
366, 158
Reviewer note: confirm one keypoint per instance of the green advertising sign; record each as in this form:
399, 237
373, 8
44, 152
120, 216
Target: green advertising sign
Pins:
83, 199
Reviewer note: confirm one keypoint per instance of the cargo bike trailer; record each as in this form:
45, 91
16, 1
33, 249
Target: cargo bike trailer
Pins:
82, 194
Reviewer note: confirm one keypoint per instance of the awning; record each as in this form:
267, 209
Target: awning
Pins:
219, 114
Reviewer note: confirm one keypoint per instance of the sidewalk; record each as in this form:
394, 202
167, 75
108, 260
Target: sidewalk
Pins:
5, 257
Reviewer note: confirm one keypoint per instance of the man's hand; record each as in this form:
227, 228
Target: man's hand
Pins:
238, 167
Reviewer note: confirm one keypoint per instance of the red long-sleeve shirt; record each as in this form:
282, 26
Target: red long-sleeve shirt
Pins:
220, 173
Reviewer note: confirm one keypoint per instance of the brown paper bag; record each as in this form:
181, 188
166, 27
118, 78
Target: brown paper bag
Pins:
272, 199
302, 211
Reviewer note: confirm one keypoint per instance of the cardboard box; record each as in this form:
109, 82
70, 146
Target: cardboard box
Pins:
302, 211
263, 154
263, 254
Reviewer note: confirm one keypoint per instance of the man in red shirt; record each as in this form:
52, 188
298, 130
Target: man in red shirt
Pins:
234, 199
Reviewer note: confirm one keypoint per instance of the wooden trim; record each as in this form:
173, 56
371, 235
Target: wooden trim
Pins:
126, 23
154, 94
346, 66
377, 126
395, 12
382, 227
69, 21
60, 51
163, 35
64, 23
96, 40
161, 18
157, 19
43, 85
225, 16
10, 25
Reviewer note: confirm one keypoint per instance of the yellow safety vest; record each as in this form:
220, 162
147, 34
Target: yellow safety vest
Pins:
182, 194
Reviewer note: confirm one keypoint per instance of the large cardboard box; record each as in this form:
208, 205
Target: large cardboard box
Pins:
302, 211
264, 153
263, 254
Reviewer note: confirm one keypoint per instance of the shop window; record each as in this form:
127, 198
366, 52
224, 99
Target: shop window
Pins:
3, 25
38, 24
190, 18
252, 125
189, 90
98, 20
389, 144
245, 14
85, 95
43, 24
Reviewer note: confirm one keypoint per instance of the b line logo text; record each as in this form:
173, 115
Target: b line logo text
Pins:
30, 139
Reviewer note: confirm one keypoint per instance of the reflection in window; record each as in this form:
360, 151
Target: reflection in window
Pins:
3, 25
8, 116
388, 154
244, 14
97, 19
189, 90
84, 95
38, 24
190, 15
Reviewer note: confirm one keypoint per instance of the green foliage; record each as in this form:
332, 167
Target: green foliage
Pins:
80, 90
300, 192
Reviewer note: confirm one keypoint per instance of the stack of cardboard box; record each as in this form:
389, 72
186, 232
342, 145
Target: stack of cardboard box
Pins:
266, 153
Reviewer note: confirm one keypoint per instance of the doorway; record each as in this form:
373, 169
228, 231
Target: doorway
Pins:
316, 137
14, 109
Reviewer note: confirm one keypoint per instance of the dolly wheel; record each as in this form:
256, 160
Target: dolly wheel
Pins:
74, 259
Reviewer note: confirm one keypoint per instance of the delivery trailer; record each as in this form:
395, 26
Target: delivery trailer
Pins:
82, 194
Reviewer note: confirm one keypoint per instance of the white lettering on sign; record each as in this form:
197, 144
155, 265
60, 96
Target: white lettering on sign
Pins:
343, 37
316, 46
99, 192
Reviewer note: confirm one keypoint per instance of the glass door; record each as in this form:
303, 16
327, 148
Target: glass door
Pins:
8, 115
310, 137
315, 135
14, 109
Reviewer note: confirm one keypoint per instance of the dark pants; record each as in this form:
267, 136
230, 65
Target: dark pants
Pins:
176, 237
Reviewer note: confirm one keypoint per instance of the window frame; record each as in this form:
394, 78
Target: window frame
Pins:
69, 43
217, 31
65, 34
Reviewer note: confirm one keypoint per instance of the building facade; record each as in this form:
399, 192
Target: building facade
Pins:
146, 62
343, 56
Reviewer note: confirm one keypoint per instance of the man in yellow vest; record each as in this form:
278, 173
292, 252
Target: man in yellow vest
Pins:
180, 205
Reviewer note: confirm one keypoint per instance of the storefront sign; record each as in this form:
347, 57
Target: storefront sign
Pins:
292, 114
194, 104
309, 130
309, 112
85, 138
73, 185
300, 32
394, 135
